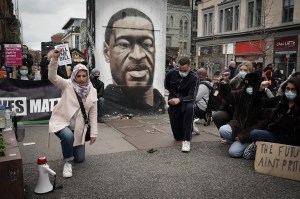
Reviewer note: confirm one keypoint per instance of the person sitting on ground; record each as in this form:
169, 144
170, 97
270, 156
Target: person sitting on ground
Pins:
284, 124
246, 116
99, 86
67, 120
243, 69
202, 97
279, 91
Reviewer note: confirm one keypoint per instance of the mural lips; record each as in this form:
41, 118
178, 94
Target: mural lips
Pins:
137, 71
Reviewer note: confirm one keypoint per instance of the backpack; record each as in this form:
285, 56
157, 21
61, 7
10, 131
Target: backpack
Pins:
214, 102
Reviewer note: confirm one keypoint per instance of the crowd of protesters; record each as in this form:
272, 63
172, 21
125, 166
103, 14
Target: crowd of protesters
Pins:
256, 104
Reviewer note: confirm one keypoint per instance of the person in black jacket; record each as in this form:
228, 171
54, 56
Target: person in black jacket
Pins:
284, 124
182, 84
247, 115
99, 86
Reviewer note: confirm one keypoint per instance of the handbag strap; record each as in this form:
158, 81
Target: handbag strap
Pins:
86, 120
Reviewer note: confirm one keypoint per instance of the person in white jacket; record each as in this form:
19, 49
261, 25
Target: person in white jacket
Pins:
67, 121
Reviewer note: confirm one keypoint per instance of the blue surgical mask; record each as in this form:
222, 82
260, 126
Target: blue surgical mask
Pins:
290, 95
242, 74
249, 90
24, 72
183, 74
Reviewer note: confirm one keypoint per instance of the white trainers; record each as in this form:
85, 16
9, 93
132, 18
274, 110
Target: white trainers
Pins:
195, 129
186, 146
67, 173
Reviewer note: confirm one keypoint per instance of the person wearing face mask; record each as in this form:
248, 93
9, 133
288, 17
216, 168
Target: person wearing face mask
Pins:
237, 82
182, 84
246, 116
23, 73
99, 86
284, 124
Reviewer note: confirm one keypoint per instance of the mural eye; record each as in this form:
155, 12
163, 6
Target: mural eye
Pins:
123, 45
147, 44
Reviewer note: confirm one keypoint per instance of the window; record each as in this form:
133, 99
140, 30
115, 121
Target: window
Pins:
185, 27
288, 11
168, 42
254, 13
77, 42
180, 26
184, 45
229, 18
208, 23
171, 21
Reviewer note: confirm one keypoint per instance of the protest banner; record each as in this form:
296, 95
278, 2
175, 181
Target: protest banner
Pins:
30, 100
13, 54
278, 160
65, 55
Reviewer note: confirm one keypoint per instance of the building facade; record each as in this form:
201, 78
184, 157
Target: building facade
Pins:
72, 33
10, 27
178, 33
260, 31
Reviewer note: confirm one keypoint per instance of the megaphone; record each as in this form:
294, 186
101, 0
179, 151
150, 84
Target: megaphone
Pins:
44, 185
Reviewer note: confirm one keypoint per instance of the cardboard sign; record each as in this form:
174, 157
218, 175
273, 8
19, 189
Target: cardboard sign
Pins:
13, 54
278, 160
65, 55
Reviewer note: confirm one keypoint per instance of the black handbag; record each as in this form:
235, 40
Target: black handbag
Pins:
86, 119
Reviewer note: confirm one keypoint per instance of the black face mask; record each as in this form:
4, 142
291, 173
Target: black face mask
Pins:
96, 77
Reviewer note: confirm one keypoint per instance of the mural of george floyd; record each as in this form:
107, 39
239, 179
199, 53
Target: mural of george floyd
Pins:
126, 42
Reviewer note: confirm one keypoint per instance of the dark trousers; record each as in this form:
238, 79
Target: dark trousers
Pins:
199, 113
181, 119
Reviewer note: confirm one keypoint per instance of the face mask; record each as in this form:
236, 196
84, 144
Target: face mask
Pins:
24, 72
249, 90
290, 95
96, 77
183, 74
242, 74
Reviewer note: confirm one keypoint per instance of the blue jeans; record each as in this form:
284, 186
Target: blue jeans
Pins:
266, 136
76, 153
100, 106
237, 148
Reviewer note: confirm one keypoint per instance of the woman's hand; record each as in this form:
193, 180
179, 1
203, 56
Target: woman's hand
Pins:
264, 85
56, 54
92, 140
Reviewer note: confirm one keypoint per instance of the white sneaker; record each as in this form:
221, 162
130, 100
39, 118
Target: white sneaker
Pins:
195, 129
186, 146
67, 173
197, 121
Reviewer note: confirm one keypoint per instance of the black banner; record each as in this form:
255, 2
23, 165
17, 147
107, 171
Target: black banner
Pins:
31, 100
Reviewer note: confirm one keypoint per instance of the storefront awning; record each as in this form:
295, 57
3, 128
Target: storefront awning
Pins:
249, 48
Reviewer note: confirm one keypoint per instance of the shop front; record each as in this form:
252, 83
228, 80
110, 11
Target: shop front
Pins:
249, 51
285, 54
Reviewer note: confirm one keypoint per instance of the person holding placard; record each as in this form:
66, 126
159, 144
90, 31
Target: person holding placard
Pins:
284, 123
67, 119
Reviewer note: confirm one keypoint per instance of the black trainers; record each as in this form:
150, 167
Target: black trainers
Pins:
249, 153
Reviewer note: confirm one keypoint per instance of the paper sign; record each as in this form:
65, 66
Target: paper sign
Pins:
278, 160
65, 56
13, 54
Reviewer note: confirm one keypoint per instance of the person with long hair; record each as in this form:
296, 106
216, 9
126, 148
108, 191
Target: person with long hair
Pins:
67, 119
284, 124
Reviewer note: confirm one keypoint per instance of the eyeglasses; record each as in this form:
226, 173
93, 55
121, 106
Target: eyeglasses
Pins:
290, 89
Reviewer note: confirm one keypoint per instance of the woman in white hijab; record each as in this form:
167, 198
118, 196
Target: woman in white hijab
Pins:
67, 120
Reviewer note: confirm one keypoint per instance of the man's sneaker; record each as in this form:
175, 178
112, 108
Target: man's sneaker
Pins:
195, 128
67, 173
186, 146
249, 153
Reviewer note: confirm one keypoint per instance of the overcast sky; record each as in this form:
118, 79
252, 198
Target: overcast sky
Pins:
43, 18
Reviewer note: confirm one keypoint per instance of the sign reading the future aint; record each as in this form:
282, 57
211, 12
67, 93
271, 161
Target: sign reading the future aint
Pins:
278, 160
65, 56
13, 54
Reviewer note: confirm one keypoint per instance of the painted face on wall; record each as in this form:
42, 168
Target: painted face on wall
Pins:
131, 52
